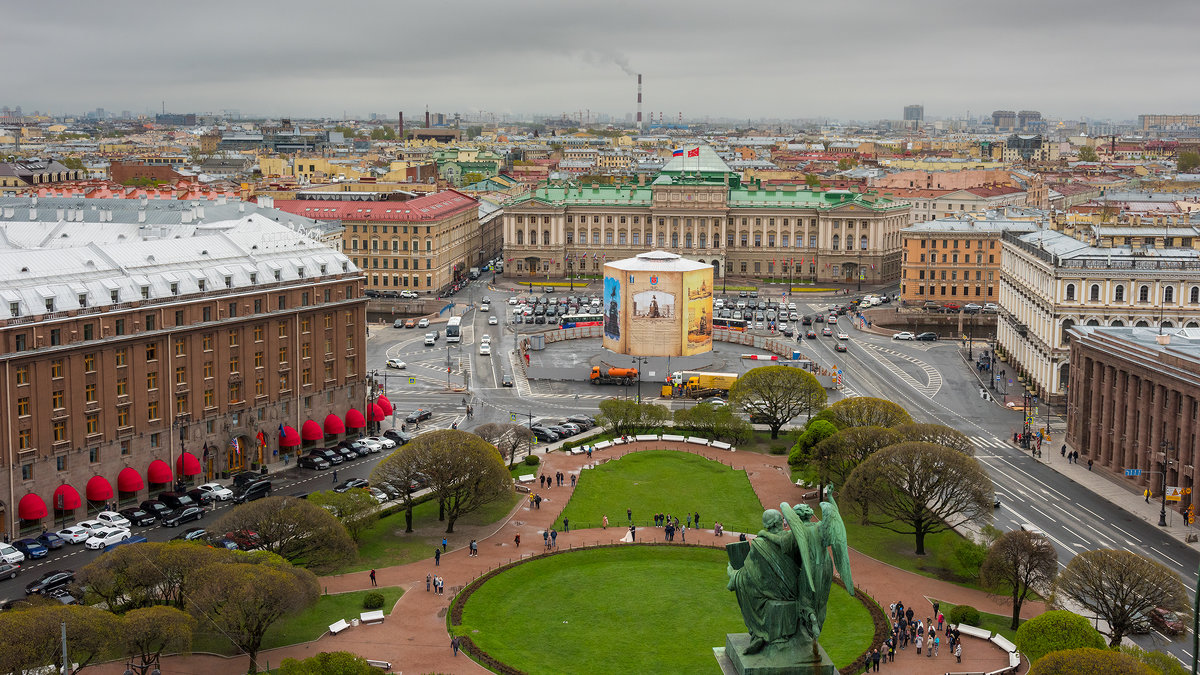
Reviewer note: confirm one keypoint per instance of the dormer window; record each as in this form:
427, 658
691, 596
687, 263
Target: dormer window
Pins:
145, 292
254, 277
174, 288
83, 299
115, 296
322, 269
49, 304
277, 275
228, 282
200, 284
14, 308
300, 272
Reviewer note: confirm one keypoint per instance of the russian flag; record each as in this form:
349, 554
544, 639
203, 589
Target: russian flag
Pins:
677, 152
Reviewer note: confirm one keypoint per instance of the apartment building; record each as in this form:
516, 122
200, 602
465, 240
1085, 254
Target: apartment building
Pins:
955, 259
134, 356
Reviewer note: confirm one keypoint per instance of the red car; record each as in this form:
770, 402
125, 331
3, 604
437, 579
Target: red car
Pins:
1166, 621
950, 307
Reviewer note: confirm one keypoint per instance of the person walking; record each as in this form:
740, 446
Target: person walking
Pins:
335, 476
604, 523
683, 532
437, 557
958, 652
454, 645
629, 514
373, 578
553, 538
566, 525
428, 582
937, 642
517, 540
572, 480
443, 544
875, 660
545, 539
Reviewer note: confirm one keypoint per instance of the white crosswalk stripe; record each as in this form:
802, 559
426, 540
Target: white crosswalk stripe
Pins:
986, 442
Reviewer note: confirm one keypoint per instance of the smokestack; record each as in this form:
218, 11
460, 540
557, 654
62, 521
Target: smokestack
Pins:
426, 118
639, 103
400, 127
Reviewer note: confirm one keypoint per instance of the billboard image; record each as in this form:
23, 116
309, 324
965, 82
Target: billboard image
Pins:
698, 324
612, 308
653, 305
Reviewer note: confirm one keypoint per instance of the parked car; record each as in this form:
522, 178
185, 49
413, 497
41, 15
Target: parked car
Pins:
990, 308
972, 308
423, 323
411, 323
244, 478
138, 517
106, 536
31, 548
328, 455
50, 581
75, 534
113, 519
190, 534
1166, 621
350, 484
383, 442
950, 307
217, 491
715, 401
51, 541
155, 507
418, 415
543, 434
927, 337
9, 570
904, 335
583, 421
176, 500
398, 323
397, 364
200, 497
399, 437
253, 491
379, 495
313, 462
181, 516
91, 525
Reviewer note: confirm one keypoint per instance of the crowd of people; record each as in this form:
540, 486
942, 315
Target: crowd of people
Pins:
928, 636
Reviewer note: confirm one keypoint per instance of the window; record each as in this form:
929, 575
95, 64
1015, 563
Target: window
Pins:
282, 329
206, 314
235, 392
60, 432
152, 410
180, 375
1119, 293
122, 387
1094, 293
22, 375
863, 242
89, 363
1169, 294
123, 421
93, 423
233, 364
151, 352
24, 442
181, 404
258, 359
260, 387
180, 347
94, 455
233, 338
23, 406
1070, 291
89, 331
836, 241
258, 333
208, 370
283, 354
150, 322
55, 337
1143, 293
1194, 295
306, 377
206, 343
56, 368
89, 392
209, 398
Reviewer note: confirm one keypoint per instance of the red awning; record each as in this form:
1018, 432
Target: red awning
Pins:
98, 489
66, 498
187, 464
31, 507
354, 419
159, 472
129, 480
289, 439
375, 413
333, 425
384, 404
311, 431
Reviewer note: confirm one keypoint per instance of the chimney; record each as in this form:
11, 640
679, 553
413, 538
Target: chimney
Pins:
141, 215
59, 214
639, 103
427, 118
400, 127
186, 217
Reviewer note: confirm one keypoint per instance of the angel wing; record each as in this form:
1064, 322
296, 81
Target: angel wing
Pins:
801, 532
833, 535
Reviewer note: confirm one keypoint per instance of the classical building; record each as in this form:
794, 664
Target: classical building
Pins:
423, 244
24, 174
955, 259
1050, 282
699, 208
134, 354
1134, 402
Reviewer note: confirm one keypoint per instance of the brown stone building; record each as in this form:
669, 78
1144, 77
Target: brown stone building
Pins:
132, 356
1134, 402
954, 260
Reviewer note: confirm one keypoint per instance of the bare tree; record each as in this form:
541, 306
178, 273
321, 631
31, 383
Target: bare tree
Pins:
919, 488
1019, 563
777, 394
865, 411
508, 438
839, 454
402, 470
1120, 587
294, 529
464, 471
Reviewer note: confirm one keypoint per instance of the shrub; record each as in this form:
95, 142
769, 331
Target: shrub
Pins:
964, 614
1055, 631
373, 601
532, 460
1089, 661
779, 450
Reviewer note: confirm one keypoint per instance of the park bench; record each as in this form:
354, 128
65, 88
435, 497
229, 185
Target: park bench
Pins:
1004, 643
526, 478
376, 663
371, 617
335, 628
720, 445
981, 633
697, 440
669, 437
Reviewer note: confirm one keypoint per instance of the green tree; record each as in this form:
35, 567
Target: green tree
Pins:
464, 471
402, 470
1088, 154
776, 394
294, 529
622, 416
1120, 587
241, 600
150, 631
865, 411
919, 489
1159, 662
472, 177
840, 453
383, 134
713, 421
1089, 661
812, 180
355, 508
814, 432
1188, 162
72, 163
847, 163
938, 434
151, 573
328, 663
32, 637
1019, 563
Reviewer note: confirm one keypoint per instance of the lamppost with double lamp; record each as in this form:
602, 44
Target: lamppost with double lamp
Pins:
860, 269
1166, 462
639, 360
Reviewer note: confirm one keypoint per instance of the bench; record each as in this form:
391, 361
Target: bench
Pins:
1004, 643
602, 445
376, 663
673, 438
697, 440
647, 438
1014, 660
526, 478
371, 617
721, 445
980, 633
335, 628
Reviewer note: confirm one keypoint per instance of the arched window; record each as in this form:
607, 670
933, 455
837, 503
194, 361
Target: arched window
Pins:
1169, 294
1119, 294
1142, 324
1066, 332
863, 242
546, 237
520, 237
1167, 324
1094, 294
1143, 293
1194, 295
1070, 291
687, 240
1093, 322
837, 242
1117, 323
703, 239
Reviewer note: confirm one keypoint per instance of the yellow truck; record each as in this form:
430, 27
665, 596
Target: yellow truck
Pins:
700, 385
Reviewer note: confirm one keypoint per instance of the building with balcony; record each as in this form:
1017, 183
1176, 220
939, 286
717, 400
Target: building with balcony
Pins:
699, 208
134, 355
1051, 282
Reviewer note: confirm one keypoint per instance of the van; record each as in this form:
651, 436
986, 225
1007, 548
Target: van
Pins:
430, 339
253, 491
176, 500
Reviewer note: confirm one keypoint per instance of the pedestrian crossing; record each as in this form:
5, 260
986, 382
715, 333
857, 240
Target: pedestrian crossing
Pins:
987, 442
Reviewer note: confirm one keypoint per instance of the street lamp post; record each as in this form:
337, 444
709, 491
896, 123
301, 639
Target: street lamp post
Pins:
642, 361
860, 270
1162, 514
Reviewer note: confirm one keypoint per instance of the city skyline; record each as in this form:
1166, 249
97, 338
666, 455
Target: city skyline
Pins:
781, 61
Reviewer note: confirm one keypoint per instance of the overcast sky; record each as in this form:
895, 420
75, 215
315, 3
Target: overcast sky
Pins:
845, 59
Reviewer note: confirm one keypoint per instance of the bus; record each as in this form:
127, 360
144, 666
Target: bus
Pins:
580, 320
738, 325
454, 329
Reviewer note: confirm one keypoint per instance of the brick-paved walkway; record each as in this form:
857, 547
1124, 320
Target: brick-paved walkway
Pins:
414, 637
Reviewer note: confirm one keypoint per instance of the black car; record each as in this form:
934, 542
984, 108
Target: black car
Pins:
156, 508
787, 332
139, 517
253, 491
350, 484
583, 421
183, 515
820, 318
561, 431
811, 335
9, 570
506, 381
328, 455
929, 337
190, 534
418, 415
313, 462
841, 346
50, 581
51, 541
400, 437
807, 320
543, 434
345, 452
200, 496
241, 480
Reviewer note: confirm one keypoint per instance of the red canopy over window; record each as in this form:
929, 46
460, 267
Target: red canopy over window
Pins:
375, 413
66, 498
129, 480
98, 489
333, 425
31, 507
311, 431
354, 419
289, 439
187, 464
159, 472
384, 404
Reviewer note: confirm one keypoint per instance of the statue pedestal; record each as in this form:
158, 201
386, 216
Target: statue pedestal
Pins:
770, 661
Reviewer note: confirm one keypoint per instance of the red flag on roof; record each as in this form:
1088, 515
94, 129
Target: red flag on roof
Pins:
694, 152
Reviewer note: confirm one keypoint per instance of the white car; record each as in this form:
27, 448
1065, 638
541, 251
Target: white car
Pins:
904, 335
217, 491
781, 326
485, 349
791, 306
373, 443
10, 554
74, 534
423, 323
379, 495
113, 519
485, 306
492, 320
396, 363
487, 339
384, 442
106, 536
512, 300
842, 336
91, 525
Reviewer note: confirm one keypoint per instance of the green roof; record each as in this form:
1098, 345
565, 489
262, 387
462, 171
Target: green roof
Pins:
577, 196
805, 199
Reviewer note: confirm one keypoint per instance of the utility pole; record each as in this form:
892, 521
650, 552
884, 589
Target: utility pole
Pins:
642, 361
1162, 514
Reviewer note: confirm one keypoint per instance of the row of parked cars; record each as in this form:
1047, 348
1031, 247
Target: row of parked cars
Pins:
324, 458
548, 433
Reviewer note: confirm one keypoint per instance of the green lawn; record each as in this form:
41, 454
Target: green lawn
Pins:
630, 609
897, 549
665, 481
304, 626
386, 544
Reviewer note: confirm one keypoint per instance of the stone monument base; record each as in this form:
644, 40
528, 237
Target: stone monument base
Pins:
770, 661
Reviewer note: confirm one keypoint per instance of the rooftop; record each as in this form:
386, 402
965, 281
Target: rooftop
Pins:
428, 208
657, 261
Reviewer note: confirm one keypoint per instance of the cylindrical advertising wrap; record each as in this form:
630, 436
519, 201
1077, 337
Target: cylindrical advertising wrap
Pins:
658, 304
